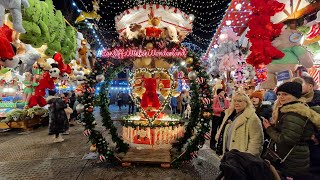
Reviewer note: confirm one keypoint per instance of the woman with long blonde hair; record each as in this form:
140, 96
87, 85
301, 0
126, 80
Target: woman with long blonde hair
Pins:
241, 128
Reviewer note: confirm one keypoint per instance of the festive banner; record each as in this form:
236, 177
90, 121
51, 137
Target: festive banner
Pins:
123, 53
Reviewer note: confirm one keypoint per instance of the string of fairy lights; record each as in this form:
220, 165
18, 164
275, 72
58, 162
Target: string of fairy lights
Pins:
91, 26
208, 16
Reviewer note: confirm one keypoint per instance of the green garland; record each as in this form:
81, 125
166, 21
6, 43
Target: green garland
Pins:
197, 130
87, 99
129, 123
109, 74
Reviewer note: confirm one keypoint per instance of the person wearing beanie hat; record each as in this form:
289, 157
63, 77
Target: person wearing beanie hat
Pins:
258, 95
263, 109
220, 103
294, 125
292, 88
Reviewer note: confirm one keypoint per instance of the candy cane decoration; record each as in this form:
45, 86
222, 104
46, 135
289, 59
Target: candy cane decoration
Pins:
87, 132
194, 154
102, 158
200, 80
206, 101
207, 136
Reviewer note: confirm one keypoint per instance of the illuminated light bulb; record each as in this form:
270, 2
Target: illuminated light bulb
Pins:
191, 17
210, 55
228, 22
183, 63
238, 7
215, 46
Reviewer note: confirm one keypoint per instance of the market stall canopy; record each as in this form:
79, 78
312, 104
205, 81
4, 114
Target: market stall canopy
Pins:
168, 15
295, 9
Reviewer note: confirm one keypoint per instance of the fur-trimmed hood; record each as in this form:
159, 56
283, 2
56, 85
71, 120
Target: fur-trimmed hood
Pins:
303, 110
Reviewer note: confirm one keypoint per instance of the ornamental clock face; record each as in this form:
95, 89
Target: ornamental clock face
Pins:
295, 37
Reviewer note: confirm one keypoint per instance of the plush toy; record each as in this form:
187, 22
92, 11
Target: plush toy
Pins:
170, 33
154, 21
5, 46
29, 87
248, 72
228, 51
28, 59
42, 63
133, 31
83, 51
187, 112
46, 82
64, 78
161, 63
54, 71
150, 98
68, 45
14, 6
289, 43
144, 62
228, 62
64, 68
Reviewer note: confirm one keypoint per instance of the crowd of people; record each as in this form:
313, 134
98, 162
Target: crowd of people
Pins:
280, 125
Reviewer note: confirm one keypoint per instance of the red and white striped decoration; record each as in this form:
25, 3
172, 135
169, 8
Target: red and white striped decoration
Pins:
102, 158
205, 101
207, 136
315, 73
200, 80
90, 90
87, 132
194, 154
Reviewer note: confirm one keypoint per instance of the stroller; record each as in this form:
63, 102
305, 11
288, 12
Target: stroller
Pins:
244, 166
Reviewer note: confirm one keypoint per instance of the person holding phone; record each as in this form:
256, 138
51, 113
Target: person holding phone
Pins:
292, 130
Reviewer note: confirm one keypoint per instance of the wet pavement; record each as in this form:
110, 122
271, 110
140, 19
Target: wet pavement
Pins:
34, 156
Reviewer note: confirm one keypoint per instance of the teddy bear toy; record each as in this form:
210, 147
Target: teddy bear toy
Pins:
14, 6
187, 112
46, 82
248, 72
150, 97
28, 59
289, 43
133, 31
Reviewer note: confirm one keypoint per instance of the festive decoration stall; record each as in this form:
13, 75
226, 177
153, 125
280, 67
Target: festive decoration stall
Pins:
150, 45
36, 48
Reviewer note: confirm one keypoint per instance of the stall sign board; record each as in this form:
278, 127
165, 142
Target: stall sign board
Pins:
283, 75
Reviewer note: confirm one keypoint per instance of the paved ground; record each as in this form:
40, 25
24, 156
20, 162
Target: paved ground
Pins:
33, 156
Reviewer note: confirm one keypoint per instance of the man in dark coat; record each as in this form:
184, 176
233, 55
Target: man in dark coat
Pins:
57, 116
